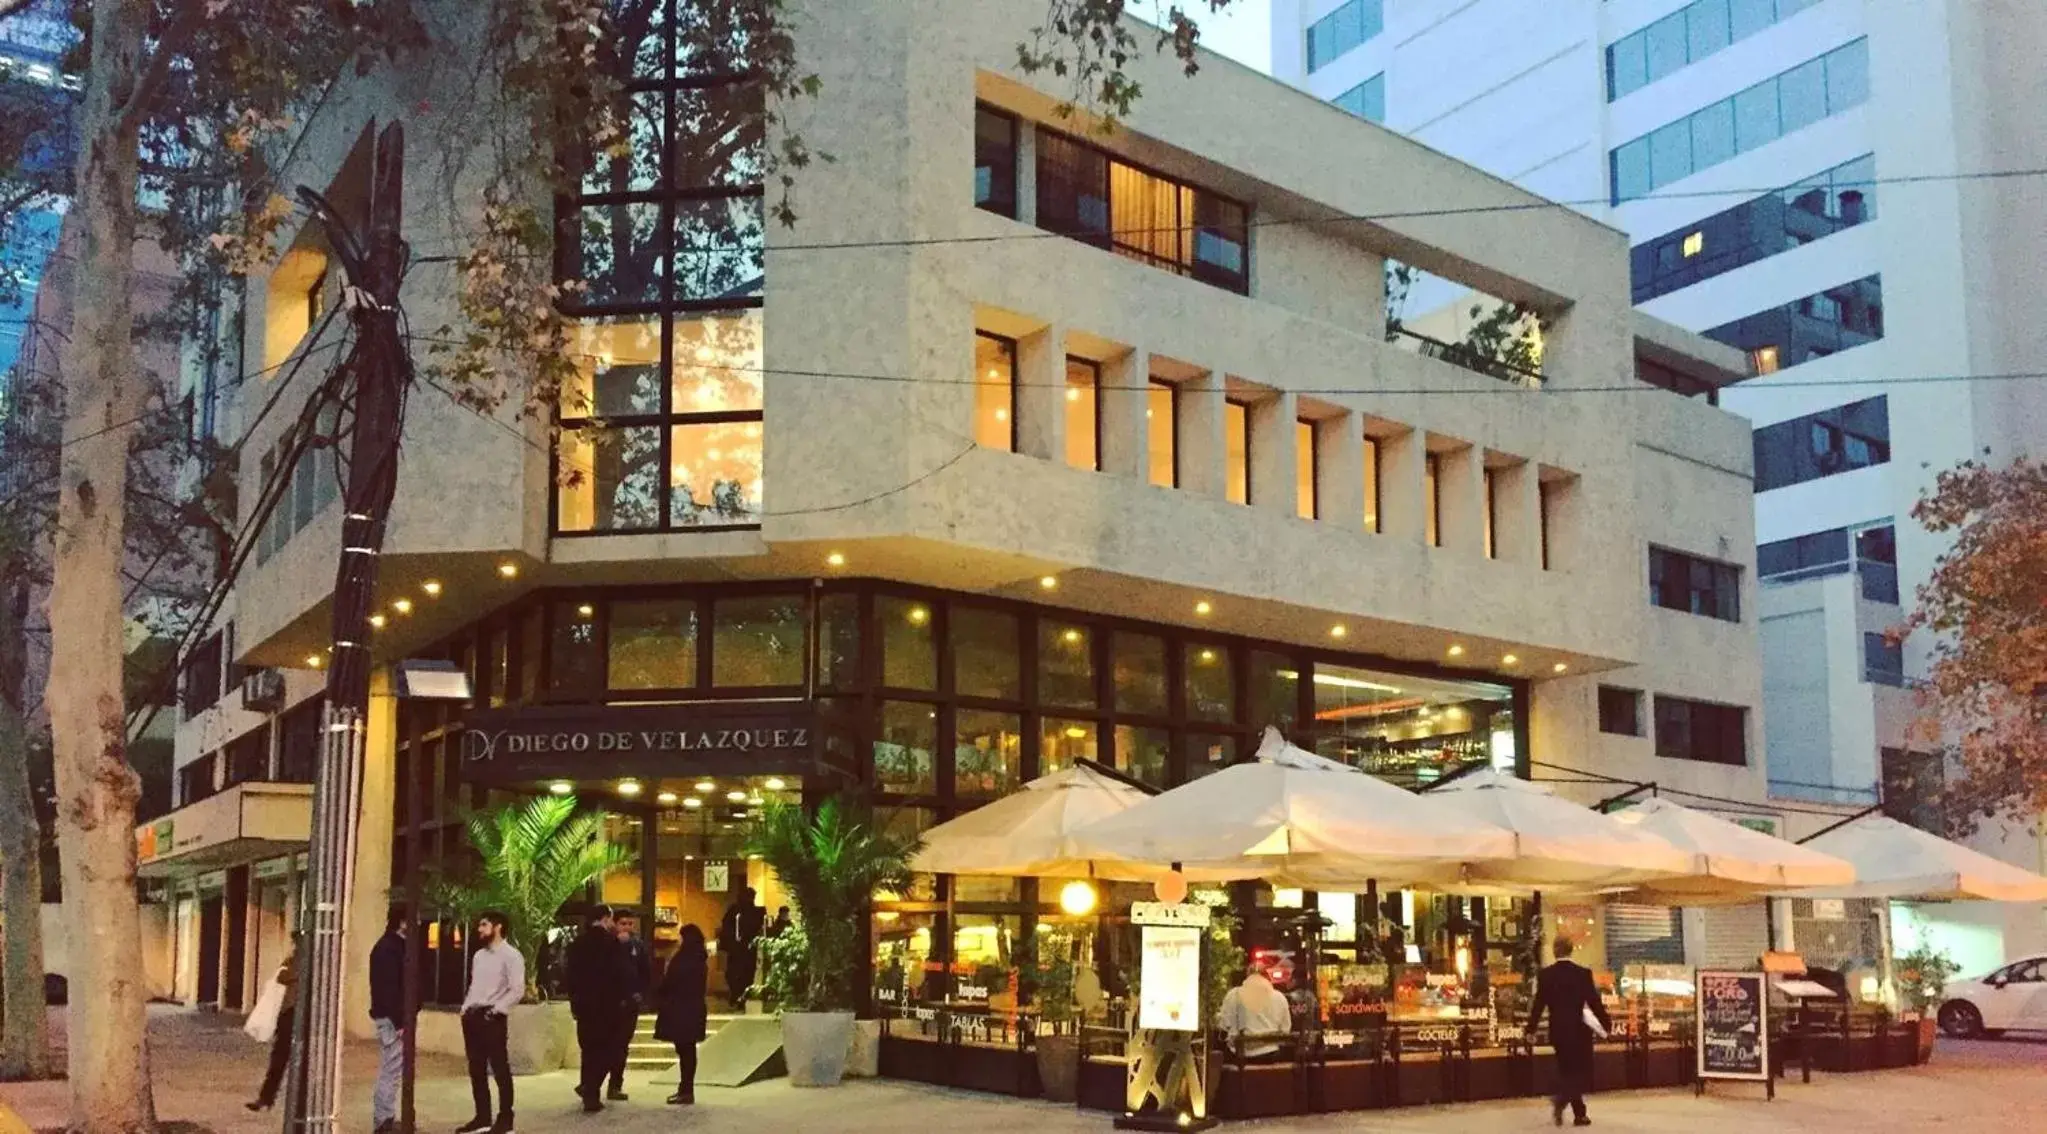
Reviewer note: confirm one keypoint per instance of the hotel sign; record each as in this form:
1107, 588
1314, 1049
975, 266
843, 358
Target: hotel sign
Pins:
610, 740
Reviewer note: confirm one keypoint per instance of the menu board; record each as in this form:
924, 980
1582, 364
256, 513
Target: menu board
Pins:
1169, 979
1734, 1026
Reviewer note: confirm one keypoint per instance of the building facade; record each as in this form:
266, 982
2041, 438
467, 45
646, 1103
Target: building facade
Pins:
1028, 443
1837, 187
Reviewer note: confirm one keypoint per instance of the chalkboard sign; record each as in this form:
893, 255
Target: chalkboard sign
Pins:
1734, 1026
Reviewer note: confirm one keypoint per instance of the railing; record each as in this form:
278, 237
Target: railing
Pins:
1822, 793
1879, 579
1457, 354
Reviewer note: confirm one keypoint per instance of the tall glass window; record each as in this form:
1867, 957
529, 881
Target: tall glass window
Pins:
1371, 485
1237, 451
1086, 194
1083, 414
1305, 464
995, 161
662, 420
1162, 430
994, 392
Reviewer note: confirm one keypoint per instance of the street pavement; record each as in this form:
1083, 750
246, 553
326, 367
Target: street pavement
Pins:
205, 1069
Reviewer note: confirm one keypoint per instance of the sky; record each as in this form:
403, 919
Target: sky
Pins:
1243, 31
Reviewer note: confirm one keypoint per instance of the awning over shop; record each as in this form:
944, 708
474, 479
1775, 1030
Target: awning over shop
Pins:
1296, 819
1895, 861
1557, 845
1732, 864
243, 824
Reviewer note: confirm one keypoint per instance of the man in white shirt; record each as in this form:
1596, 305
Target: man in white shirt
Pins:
497, 983
1255, 1008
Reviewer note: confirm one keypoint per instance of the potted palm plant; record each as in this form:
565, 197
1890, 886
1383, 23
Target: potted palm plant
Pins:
1922, 977
829, 862
533, 858
1057, 1043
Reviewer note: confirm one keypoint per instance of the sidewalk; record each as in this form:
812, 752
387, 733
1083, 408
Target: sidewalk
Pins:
206, 1069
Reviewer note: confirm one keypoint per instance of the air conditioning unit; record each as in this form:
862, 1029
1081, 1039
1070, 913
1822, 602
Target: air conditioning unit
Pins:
263, 690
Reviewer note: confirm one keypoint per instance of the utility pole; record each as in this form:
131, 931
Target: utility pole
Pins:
382, 369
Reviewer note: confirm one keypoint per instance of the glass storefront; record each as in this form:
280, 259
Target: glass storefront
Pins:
932, 704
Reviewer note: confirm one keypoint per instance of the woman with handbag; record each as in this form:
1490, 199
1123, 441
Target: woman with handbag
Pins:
682, 1013
280, 1040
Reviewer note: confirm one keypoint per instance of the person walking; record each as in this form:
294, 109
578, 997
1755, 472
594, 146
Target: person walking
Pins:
1565, 991
639, 965
392, 1016
682, 1012
280, 1041
598, 981
740, 929
497, 983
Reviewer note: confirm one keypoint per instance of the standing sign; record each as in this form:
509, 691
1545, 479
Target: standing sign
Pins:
1734, 1027
1169, 979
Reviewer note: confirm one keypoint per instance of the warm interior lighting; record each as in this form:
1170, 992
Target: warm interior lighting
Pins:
1071, 637
919, 616
1338, 681
1457, 651
692, 802
1077, 898
402, 606
665, 797
1510, 659
1338, 630
561, 787
736, 796
628, 787
1076, 732
753, 858
705, 785
1558, 668
1048, 583
377, 621
432, 587
835, 559
508, 570
776, 783
1695, 243
1203, 607
1073, 395
586, 610
1208, 655
314, 661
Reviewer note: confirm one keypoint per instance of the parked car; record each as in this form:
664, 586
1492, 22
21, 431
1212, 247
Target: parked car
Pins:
2013, 997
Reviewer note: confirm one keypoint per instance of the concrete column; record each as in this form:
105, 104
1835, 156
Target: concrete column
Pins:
1403, 500
1125, 441
1041, 394
369, 898
1564, 517
1340, 470
1275, 454
1460, 491
1204, 454
1517, 515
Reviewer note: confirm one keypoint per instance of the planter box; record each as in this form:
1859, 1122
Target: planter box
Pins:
816, 1046
864, 1061
540, 1037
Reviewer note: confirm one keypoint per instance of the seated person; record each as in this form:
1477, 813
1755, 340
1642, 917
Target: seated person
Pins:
1255, 1008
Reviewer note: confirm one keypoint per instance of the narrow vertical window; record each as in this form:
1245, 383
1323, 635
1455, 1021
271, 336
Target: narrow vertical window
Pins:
1371, 485
1305, 464
1083, 414
1237, 451
1162, 425
994, 392
994, 161
1432, 498
1492, 547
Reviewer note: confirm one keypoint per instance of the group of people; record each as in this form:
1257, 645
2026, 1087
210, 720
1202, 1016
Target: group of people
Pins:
609, 982
1255, 1014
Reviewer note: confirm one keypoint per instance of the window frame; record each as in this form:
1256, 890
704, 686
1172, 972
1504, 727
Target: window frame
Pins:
1724, 579
1013, 181
1195, 267
1609, 698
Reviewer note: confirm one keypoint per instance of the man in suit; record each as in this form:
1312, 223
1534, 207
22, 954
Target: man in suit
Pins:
1565, 991
600, 981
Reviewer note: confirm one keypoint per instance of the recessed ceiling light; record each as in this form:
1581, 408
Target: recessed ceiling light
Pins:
736, 796
1203, 607
586, 610
1048, 582
1339, 630
1559, 668
776, 783
377, 621
705, 785
835, 559
508, 570
315, 661
628, 787
1076, 732
432, 587
692, 802
1070, 637
1208, 655
402, 606
561, 787
1510, 659
1457, 651
919, 616
665, 797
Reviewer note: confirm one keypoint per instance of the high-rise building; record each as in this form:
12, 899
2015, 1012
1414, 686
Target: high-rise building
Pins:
1848, 190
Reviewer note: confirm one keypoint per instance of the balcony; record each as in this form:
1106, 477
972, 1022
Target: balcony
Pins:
1457, 354
1879, 580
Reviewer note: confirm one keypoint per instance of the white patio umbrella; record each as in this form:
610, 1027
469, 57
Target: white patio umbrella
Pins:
1893, 860
1295, 818
1559, 845
1030, 833
1734, 864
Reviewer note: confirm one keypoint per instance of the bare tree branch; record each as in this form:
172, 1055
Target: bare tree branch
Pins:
136, 108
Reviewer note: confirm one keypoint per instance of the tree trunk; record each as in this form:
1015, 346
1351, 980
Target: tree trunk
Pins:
96, 789
24, 1023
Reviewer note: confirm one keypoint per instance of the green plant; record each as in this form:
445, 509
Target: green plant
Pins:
829, 862
781, 964
1922, 977
1052, 970
535, 856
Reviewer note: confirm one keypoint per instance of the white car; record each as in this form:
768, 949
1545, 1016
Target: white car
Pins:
2010, 998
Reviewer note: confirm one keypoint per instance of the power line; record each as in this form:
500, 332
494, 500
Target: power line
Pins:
1333, 219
